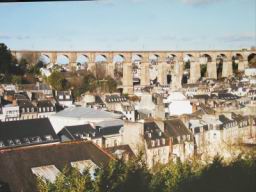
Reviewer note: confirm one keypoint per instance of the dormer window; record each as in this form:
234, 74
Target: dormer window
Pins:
27, 109
48, 137
39, 109
2, 144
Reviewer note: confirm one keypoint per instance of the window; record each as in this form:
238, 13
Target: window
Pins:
17, 141
48, 137
36, 139
10, 142
26, 140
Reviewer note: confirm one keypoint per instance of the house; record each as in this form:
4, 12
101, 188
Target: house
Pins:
156, 145
64, 98
9, 112
181, 140
106, 136
128, 112
27, 109
26, 132
20, 167
45, 108
81, 132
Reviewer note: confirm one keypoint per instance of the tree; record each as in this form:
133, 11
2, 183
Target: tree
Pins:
118, 176
57, 81
6, 59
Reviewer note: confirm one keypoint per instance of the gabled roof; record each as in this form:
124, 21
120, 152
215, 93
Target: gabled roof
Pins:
81, 132
16, 164
26, 132
77, 131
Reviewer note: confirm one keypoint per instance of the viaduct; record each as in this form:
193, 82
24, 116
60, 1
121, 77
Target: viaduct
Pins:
211, 58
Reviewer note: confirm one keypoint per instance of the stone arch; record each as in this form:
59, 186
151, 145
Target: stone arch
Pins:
101, 58
237, 61
118, 61
101, 66
155, 67
44, 58
63, 59
82, 61
171, 58
251, 60
187, 60
205, 60
220, 59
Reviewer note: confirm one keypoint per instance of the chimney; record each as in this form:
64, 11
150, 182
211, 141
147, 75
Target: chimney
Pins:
14, 102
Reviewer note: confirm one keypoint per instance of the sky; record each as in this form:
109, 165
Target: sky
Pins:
129, 25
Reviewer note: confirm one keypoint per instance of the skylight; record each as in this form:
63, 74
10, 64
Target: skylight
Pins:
85, 165
48, 172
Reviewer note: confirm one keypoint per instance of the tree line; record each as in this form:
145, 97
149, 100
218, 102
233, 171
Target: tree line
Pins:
238, 175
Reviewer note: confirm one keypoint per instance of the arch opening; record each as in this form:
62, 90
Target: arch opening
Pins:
187, 59
82, 62
204, 60
45, 59
100, 66
118, 60
62, 60
136, 68
252, 60
219, 62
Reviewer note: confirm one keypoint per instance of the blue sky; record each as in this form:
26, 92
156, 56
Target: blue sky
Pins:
129, 25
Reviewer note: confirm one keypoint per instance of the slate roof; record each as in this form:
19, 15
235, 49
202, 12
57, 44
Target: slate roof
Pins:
26, 132
25, 104
77, 131
16, 164
81, 132
175, 128
153, 133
